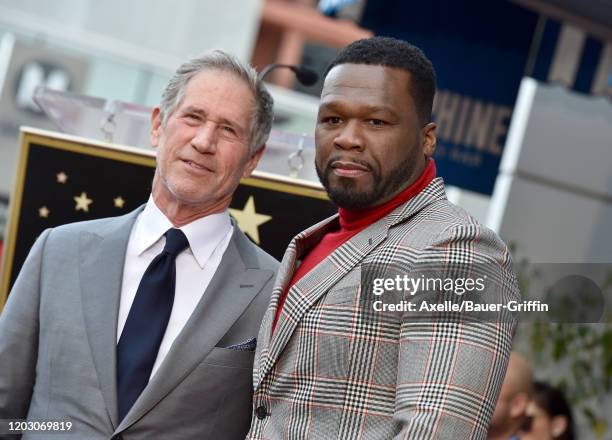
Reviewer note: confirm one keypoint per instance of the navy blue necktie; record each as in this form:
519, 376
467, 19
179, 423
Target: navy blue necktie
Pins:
146, 323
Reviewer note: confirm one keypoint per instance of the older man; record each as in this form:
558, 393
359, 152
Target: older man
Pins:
144, 326
326, 365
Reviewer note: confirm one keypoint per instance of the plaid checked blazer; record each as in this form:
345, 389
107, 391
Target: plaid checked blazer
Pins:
325, 374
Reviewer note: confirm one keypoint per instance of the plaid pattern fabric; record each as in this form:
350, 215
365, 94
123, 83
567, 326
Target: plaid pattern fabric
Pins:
327, 373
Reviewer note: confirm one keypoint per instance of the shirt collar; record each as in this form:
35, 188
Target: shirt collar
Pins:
203, 234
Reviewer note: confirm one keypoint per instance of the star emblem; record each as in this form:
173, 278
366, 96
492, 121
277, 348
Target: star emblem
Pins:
43, 212
61, 177
119, 202
82, 202
249, 220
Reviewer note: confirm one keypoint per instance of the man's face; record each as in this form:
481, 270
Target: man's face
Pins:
542, 426
510, 407
203, 147
369, 142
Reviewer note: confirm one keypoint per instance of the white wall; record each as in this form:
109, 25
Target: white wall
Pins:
553, 195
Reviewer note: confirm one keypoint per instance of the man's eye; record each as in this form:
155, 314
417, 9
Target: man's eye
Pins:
376, 122
332, 120
193, 117
229, 130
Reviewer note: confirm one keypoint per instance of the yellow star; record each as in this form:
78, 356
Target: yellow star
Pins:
61, 177
82, 202
248, 220
119, 202
43, 212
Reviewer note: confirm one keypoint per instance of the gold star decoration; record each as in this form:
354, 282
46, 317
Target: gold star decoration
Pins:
82, 202
249, 220
119, 202
61, 177
43, 212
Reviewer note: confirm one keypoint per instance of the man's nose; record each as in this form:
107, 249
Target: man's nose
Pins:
350, 137
205, 138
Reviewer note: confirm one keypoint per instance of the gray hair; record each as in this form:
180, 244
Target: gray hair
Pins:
261, 123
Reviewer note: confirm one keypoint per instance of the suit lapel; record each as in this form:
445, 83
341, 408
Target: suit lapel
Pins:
295, 249
235, 283
432, 193
307, 291
101, 272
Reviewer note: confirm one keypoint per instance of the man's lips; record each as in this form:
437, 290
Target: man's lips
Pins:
345, 168
195, 165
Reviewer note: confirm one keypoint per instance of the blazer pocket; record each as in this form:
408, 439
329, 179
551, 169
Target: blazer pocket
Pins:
227, 357
248, 345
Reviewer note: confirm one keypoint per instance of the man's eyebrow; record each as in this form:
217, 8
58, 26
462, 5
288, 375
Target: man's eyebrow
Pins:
192, 109
339, 105
233, 124
222, 120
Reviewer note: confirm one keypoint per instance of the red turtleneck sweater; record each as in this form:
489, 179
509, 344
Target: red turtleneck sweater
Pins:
351, 223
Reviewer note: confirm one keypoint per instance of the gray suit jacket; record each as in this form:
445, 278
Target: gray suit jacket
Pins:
58, 341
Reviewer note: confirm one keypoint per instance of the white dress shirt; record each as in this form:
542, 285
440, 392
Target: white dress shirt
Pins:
208, 239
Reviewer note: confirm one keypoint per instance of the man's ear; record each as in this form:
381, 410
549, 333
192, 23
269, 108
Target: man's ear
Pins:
558, 425
253, 161
519, 404
429, 139
156, 123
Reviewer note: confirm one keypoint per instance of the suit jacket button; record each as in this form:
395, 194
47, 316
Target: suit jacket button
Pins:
261, 412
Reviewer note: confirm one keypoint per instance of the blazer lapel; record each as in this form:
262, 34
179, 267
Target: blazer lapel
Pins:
432, 193
101, 272
306, 292
296, 247
232, 288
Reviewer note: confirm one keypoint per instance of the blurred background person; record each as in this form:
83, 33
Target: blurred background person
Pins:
549, 415
511, 409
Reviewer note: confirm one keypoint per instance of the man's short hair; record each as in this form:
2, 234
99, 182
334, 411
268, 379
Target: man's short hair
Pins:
391, 52
220, 60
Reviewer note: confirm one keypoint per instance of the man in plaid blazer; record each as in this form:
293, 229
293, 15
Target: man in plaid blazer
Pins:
324, 368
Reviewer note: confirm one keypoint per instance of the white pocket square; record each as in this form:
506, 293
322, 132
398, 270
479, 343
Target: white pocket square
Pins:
248, 345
